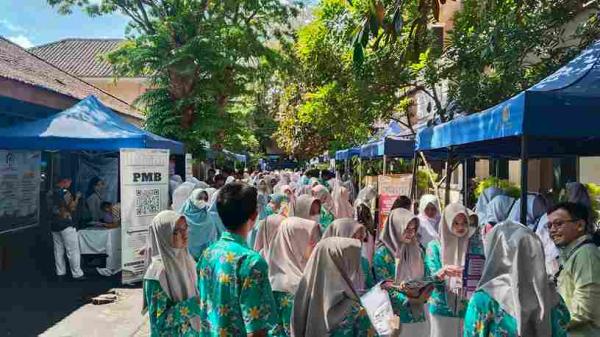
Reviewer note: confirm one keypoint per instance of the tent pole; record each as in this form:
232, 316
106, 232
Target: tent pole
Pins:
465, 182
448, 177
360, 173
384, 164
524, 176
413, 185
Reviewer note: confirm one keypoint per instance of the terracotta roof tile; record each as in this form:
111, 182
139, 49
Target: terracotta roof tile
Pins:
20, 65
80, 57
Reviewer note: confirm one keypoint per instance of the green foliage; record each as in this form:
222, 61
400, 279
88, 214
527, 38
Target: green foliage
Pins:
325, 102
424, 178
501, 47
510, 189
207, 63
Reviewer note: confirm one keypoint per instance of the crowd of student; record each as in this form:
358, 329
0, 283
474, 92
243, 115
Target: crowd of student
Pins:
291, 255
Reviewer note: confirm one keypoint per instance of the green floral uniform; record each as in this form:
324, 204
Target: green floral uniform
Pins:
485, 318
355, 324
433, 263
385, 269
326, 219
235, 294
285, 304
168, 318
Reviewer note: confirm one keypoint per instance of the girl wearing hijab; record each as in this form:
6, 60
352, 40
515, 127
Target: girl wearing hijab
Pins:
275, 204
308, 208
364, 217
266, 233
327, 304
484, 199
201, 229
342, 208
181, 195
288, 191
263, 198
350, 228
514, 296
288, 255
429, 218
536, 208
400, 257
445, 261
170, 293
322, 194
497, 211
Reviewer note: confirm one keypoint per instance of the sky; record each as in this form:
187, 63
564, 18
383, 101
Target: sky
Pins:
33, 22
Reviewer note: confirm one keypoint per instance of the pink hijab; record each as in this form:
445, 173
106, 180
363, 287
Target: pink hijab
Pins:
320, 192
342, 208
266, 233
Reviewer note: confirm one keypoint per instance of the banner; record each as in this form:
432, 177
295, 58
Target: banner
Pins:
144, 193
390, 188
19, 189
189, 173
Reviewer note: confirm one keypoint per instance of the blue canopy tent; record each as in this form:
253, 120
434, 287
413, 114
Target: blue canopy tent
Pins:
556, 117
347, 154
390, 146
87, 126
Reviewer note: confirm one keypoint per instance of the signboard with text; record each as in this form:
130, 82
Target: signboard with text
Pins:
390, 188
144, 193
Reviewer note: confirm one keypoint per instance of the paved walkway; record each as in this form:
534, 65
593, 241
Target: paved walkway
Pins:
121, 318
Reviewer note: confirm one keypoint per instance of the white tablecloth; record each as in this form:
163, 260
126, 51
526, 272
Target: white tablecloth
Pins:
102, 241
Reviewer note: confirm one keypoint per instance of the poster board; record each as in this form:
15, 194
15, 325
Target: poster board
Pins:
144, 193
389, 188
19, 189
189, 173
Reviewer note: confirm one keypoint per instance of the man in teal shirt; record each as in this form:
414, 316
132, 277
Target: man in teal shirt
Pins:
579, 275
233, 280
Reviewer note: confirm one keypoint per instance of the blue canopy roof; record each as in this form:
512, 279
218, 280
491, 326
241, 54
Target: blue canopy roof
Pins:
347, 154
389, 146
88, 125
559, 116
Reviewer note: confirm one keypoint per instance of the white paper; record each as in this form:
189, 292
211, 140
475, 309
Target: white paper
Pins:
378, 305
189, 174
144, 193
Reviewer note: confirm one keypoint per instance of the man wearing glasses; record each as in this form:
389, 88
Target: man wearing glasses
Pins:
579, 275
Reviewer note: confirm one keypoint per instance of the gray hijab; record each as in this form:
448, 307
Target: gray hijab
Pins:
515, 276
326, 294
286, 254
303, 206
173, 268
408, 256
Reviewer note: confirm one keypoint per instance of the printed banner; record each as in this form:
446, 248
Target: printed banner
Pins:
189, 173
19, 189
144, 193
390, 188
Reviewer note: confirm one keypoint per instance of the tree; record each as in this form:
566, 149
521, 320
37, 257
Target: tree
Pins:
325, 102
201, 57
501, 47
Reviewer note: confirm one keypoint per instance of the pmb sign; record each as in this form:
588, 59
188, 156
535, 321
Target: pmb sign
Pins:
146, 177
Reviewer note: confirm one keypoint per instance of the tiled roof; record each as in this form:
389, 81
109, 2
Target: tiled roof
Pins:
20, 65
80, 57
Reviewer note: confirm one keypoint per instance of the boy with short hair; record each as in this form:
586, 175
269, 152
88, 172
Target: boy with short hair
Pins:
235, 294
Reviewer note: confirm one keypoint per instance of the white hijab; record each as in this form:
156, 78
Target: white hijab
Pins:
342, 208
499, 209
454, 250
173, 268
536, 207
515, 277
181, 195
484, 199
428, 227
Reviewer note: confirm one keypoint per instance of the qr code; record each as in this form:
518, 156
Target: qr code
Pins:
147, 202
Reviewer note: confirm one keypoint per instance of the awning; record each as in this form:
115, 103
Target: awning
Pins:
347, 154
88, 125
397, 147
558, 117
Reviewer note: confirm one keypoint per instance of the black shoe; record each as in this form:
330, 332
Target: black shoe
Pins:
61, 278
81, 278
